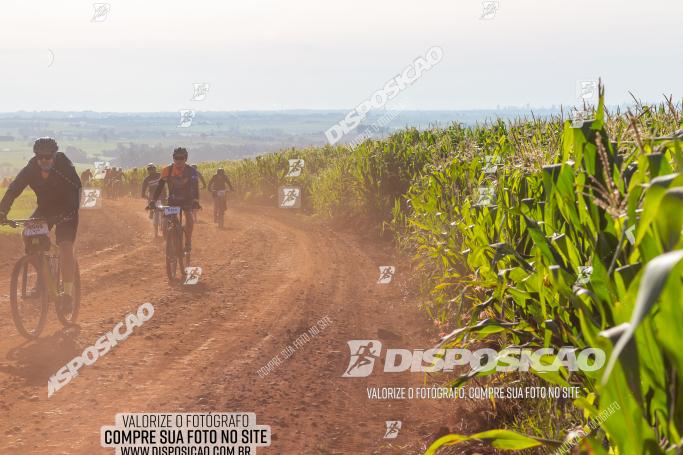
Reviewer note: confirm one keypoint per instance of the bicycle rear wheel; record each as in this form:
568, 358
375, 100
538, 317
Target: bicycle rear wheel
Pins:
68, 319
28, 297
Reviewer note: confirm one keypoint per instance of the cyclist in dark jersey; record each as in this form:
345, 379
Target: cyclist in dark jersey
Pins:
52, 176
183, 189
219, 182
150, 183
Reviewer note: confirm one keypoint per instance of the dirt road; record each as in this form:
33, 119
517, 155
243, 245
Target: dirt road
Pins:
268, 277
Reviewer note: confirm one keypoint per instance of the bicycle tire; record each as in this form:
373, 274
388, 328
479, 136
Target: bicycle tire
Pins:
183, 256
21, 267
76, 301
171, 254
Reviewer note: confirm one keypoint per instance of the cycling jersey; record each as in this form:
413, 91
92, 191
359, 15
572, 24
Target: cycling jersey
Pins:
150, 184
219, 183
183, 185
57, 194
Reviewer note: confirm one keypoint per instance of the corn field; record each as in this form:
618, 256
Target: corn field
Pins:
532, 233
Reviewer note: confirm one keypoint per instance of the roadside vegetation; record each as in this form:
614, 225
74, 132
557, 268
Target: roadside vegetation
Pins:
531, 233
23, 207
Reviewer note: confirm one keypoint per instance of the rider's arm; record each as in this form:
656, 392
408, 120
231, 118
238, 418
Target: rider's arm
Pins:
195, 186
15, 189
211, 182
227, 180
165, 173
157, 191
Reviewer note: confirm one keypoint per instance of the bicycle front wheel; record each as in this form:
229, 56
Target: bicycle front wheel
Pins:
173, 244
28, 297
183, 256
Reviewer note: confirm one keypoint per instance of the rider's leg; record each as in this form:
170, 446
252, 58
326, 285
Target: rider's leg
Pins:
68, 266
66, 236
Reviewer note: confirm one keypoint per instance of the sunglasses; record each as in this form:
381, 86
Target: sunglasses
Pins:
41, 157
179, 158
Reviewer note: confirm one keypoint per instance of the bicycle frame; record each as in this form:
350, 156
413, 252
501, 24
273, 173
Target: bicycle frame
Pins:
49, 274
44, 259
175, 232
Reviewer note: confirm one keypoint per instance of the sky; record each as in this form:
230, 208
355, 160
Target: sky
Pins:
144, 56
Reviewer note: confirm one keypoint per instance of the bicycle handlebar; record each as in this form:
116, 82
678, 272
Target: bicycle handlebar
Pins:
17, 223
160, 208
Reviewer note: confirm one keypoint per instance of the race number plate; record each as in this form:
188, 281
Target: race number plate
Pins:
220, 193
171, 211
192, 275
34, 229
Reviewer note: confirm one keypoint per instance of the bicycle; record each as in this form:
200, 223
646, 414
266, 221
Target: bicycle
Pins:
37, 282
176, 256
219, 203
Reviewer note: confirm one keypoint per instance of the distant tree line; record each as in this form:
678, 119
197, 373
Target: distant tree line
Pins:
137, 155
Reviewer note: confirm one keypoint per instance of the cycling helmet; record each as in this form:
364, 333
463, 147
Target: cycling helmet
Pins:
45, 144
220, 171
151, 167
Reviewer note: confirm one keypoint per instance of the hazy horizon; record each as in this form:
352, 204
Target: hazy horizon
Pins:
265, 55
565, 107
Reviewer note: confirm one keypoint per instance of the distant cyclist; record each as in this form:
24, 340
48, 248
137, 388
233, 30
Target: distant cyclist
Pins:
183, 190
107, 182
118, 182
219, 182
52, 176
151, 182
86, 177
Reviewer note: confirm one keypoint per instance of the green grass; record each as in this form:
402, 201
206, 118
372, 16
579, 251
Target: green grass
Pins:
23, 207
